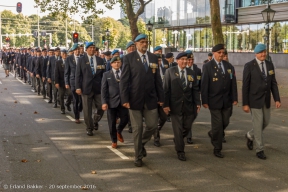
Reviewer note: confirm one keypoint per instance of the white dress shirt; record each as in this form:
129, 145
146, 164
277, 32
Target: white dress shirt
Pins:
185, 73
114, 72
94, 62
264, 65
146, 55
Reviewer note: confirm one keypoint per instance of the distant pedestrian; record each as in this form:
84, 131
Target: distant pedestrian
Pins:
210, 55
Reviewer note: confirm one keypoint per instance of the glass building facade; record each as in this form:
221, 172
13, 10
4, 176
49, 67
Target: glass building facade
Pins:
186, 24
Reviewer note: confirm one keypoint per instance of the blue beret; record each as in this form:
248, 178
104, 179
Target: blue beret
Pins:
115, 51
189, 52
75, 46
169, 55
182, 54
218, 47
64, 51
259, 48
157, 48
129, 44
140, 36
115, 59
88, 44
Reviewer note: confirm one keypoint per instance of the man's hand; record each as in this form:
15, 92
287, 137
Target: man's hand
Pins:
78, 91
126, 105
31, 74
38, 76
198, 108
49, 80
166, 110
67, 86
104, 107
206, 106
160, 103
235, 102
57, 86
43, 79
246, 108
278, 104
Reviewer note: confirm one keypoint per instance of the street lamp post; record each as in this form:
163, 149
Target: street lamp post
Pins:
149, 27
107, 34
268, 16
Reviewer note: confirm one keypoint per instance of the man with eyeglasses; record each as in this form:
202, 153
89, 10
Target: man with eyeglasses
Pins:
141, 91
88, 77
181, 95
218, 92
258, 83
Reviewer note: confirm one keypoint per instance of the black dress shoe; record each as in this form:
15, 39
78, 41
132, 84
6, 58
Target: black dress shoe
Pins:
96, 126
181, 157
249, 142
261, 155
189, 141
68, 107
62, 111
157, 143
223, 140
138, 163
130, 129
144, 153
90, 133
55, 105
218, 154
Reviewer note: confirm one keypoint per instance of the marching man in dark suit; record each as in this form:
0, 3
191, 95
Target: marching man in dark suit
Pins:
141, 91
219, 92
110, 94
89, 73
60, 82
70, 71
181, 95
258, 83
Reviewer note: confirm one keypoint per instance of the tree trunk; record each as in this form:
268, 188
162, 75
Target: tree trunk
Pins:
216, 22
133, 27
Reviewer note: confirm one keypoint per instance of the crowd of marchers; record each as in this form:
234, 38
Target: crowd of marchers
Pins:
149, 88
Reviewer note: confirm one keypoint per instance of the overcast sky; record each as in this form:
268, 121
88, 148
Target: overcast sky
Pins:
28, 8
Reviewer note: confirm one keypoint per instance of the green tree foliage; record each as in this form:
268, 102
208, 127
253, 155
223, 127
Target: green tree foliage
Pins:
82, 7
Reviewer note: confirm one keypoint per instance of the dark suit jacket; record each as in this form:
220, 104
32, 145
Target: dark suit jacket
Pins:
70, 70
33, 65
29, 62
139, 87
256, 91
173, 64
217, 90
179, 100
85, 80
59, 73
110, 91
44, 66
198, 73
23, 60
51, 67
39, 66
18, 59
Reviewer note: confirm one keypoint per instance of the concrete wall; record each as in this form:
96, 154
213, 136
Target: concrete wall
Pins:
280, 60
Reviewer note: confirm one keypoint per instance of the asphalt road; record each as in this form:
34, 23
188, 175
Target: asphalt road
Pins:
42, 150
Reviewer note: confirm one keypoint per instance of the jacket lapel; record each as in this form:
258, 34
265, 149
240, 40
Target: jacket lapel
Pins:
258, 68
87, 63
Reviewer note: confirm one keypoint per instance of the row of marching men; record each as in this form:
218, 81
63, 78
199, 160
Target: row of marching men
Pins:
149, 88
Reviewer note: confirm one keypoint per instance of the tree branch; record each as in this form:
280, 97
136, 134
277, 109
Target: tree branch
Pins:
141, 8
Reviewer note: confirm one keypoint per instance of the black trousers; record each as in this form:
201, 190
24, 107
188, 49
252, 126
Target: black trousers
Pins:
181, 126
219, 121
77, 104
49, 91
62, 91
23, 74
112, 115
55, 92
161, 121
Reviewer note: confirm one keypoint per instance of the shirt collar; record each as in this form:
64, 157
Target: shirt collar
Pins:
259, 62
181, 69
114, 71
142, 53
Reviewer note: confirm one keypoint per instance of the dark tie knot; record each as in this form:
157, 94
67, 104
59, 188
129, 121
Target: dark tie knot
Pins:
182, 71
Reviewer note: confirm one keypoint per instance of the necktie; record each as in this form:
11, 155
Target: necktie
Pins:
220, 67
183, 79
263, 72
92, 65
117, 76
145, 62
77, 60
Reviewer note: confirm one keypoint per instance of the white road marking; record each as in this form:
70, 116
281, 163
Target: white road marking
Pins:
0, 82
69, 117
46, 100
117, 152
11, 74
